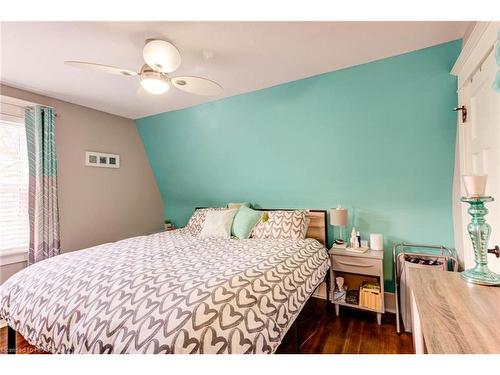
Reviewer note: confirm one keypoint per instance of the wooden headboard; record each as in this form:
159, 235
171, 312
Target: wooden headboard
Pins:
318, 228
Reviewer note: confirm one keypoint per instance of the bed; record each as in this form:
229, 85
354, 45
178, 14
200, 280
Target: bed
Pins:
168, 292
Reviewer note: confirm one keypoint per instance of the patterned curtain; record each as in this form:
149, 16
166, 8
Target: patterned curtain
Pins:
43, 208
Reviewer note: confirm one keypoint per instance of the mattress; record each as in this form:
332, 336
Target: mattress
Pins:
168, 292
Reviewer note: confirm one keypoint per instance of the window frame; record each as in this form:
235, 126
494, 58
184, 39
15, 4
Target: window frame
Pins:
12, 112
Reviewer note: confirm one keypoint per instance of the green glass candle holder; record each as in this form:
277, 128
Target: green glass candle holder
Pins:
479, 232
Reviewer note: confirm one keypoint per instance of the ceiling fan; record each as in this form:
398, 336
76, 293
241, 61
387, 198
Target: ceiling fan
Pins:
162, 58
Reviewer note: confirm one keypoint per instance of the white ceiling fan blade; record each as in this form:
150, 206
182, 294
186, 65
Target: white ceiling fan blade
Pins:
101, 68
197, 85
161, 55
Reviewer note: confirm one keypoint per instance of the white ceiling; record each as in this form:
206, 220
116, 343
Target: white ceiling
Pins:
241, 56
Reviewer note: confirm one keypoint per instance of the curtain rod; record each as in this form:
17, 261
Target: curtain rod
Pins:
28, 106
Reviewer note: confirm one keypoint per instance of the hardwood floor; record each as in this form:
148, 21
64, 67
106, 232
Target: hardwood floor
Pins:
353, 332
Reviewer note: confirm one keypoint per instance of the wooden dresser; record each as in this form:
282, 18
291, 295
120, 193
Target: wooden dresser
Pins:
451, 316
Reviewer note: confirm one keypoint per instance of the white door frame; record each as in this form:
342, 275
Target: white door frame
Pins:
479, 44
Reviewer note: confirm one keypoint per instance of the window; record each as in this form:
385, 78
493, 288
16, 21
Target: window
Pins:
14, 224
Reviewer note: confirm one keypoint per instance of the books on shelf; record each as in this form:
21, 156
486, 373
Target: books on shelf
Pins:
370, 295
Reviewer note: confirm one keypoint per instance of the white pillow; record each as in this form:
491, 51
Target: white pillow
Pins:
218, 224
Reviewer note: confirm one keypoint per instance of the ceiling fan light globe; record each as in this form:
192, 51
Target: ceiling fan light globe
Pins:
154, 83
162, 56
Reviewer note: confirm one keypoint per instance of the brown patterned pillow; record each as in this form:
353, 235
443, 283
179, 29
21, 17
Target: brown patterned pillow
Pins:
283, 225
195, 223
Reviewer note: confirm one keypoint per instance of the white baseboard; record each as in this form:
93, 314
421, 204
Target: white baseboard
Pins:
3, 323
389, 298
390, 302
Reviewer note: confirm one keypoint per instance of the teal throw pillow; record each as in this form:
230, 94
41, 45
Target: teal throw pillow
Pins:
244, 221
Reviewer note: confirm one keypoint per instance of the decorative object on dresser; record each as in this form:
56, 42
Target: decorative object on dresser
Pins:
479, 232
407, 256
360, 268
475, 185
338, 218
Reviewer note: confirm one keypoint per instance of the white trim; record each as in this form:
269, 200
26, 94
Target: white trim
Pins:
11, 118
480, 42
469, 46
390, 302
4, 99
12, 256
3, 323
12, 111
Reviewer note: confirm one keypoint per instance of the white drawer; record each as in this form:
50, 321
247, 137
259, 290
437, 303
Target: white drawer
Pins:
364, 266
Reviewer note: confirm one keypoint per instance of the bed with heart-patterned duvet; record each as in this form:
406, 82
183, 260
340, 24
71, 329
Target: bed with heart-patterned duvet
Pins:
169, 292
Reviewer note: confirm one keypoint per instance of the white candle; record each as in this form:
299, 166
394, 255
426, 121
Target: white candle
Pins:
376, 241
475, 185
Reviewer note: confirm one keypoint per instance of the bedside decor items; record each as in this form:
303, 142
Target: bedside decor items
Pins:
338, 218
369, 295
100, 159
376, 241
352, 297
339, 294
168, 225
340, 282
353, 242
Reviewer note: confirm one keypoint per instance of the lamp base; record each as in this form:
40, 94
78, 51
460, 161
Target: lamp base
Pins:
480, 276
339, 244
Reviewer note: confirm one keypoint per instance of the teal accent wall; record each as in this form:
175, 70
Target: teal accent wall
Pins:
378, 138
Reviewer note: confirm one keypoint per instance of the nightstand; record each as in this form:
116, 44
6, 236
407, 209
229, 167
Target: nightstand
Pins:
355, 268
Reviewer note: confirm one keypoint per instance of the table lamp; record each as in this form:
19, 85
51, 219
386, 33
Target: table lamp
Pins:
338, 218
